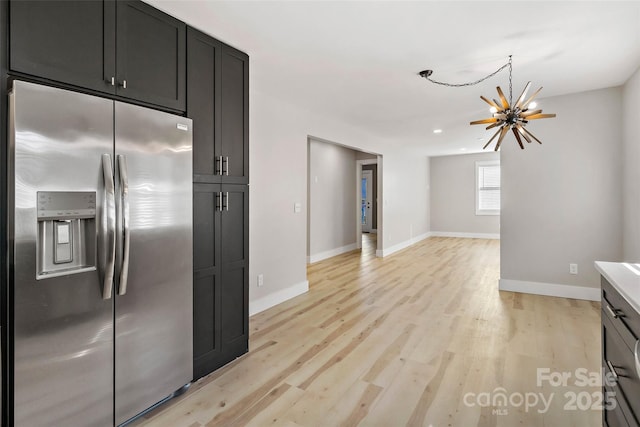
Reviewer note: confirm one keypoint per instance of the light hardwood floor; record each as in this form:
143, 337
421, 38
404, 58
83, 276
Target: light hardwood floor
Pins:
419, 338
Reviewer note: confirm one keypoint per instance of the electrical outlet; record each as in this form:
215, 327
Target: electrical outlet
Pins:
260, 280
573, 268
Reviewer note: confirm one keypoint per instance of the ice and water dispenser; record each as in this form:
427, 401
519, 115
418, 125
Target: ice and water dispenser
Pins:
66, 241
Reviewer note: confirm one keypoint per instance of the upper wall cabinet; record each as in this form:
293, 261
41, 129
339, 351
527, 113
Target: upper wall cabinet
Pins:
67, 41
124, 48
150, 55
218, 103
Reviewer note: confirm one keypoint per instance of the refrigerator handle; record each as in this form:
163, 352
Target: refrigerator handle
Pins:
109, 225
126, 241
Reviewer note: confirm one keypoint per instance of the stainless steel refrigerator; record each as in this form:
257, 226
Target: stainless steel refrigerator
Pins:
100, 223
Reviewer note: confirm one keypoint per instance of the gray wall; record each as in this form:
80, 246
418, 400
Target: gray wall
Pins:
332, 197
562, 201
631, 156
279, 171
453, 195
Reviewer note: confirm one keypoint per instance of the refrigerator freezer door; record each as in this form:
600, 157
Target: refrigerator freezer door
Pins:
153, 347
63, 333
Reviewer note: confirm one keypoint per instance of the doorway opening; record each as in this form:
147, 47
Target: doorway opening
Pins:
334, 204
368, 186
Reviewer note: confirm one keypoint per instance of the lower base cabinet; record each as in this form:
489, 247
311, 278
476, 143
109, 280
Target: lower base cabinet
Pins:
621, 381
221, 273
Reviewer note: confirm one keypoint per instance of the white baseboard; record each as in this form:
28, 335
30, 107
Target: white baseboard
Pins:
268, 301
395, 248
550, 289
466, 235
331, 253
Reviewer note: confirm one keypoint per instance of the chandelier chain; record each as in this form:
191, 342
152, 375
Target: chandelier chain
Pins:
510, 83
475, 82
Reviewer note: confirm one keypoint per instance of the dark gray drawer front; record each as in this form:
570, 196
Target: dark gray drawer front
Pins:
617, 355
626, 320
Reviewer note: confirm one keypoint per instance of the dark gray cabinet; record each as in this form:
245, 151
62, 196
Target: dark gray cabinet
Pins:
620, 334
234, 116
150, 48
218, 103
65, 41
123, 48
220, 278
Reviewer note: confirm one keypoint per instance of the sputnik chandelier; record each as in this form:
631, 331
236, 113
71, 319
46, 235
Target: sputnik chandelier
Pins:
505, 115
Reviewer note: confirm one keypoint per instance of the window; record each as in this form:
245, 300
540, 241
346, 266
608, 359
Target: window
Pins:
488, 188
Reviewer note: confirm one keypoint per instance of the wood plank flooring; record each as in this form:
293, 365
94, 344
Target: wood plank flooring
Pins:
419, 338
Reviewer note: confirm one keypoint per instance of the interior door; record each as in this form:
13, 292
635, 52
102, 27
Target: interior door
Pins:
153, 306
367, 189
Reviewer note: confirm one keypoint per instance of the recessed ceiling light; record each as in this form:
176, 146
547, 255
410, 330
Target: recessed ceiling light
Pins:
437, 131
463, 149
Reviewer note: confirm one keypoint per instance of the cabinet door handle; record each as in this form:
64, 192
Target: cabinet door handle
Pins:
635, 354
224, 206
219, 171
225, 170
613, 370
613, 312
219, 200
112, 81
123, 84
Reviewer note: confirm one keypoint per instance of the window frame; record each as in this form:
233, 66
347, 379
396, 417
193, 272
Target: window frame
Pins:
479, 165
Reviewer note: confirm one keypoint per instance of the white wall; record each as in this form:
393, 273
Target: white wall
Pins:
562, 201
631, 156
453, 197
332, 200
278, 179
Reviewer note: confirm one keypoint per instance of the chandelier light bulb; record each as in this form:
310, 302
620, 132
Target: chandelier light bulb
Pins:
532, 105
493, 109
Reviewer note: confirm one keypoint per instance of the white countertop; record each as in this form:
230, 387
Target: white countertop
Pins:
625, 277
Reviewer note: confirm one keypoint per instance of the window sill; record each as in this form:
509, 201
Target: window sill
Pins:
487, 213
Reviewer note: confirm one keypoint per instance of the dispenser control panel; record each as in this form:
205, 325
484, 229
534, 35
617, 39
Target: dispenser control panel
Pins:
61, 204
67, 233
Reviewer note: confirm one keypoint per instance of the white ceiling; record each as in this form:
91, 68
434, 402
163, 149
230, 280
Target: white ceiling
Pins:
358, 60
